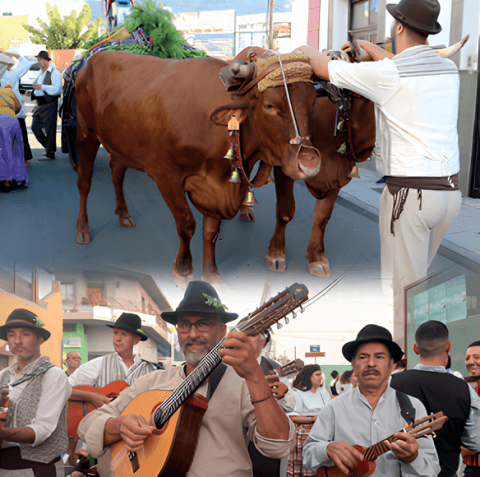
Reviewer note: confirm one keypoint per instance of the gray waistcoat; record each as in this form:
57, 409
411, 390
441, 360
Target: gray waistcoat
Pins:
25, 411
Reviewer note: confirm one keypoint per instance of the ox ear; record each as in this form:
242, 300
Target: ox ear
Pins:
223, 114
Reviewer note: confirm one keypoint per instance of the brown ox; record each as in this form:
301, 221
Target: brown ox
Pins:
325, 186
156, 116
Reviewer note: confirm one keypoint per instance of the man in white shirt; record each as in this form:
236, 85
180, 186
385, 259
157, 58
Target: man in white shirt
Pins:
416, 104
47, 88
35, 433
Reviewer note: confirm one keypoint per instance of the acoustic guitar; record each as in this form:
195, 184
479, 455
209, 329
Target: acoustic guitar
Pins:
77, 410
419, 428
278, 388
179, 413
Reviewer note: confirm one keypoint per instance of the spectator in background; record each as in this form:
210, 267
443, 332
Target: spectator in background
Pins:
333, 384
472, 362
354, 381
47, 88
441, 391
400, 366
12, 163
311, 396
343, 384
74, 360
12, 77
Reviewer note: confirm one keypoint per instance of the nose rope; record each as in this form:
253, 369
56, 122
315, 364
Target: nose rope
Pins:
298, 139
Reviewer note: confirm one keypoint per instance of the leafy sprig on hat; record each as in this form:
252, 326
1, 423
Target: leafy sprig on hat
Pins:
39, 322
214, 302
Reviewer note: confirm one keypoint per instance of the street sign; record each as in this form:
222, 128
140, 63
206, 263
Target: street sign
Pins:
314, 348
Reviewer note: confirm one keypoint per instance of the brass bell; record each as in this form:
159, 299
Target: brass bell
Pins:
235, 177
229, 155
342, 149
250, 199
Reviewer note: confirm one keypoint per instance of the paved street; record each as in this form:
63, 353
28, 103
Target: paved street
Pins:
38, 225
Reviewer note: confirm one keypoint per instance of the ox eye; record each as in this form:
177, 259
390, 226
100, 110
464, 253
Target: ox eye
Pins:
269, 106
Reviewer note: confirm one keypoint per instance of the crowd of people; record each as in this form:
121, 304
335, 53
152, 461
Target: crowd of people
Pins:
249, 425
15, 151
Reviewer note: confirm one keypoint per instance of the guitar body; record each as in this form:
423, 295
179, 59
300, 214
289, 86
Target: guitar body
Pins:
77, 410
365, 467
168, 454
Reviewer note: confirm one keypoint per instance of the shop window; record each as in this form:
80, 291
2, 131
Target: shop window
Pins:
364, 14
68, 292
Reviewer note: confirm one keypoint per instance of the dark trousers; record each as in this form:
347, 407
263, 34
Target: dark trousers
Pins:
26, 146
10, 459
48, 141
471, 471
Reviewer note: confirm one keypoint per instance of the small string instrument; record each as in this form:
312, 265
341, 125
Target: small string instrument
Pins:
419, 428
178, 413
77, 410
278, 388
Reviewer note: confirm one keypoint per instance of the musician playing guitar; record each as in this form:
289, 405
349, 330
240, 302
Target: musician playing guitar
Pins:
263, 466
241, 407
35, 432
367, 414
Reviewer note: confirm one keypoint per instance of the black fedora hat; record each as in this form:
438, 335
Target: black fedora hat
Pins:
44, 55
370, 334
131, 323
200, 299
418, 15
22, 318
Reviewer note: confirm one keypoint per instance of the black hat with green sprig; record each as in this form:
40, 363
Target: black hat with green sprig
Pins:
22, 318
200, 299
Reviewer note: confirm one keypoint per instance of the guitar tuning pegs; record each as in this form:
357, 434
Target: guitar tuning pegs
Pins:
287, 321
294, 315
279, 326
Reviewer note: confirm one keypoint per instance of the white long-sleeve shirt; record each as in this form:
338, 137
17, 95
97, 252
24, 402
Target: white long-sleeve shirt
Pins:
12, 77
55, 89
55, 393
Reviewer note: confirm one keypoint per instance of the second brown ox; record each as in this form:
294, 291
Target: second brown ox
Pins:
162, 122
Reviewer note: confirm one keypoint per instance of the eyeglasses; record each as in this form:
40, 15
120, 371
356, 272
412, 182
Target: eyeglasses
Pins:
202, 326
76, 359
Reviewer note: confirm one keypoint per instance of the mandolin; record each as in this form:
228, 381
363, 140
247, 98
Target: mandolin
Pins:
179, 413
419, 428
278, 388
77, 410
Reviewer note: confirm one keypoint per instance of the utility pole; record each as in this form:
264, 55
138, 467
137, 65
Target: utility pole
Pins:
269, 39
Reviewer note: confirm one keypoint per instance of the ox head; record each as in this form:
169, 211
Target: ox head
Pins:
271, 132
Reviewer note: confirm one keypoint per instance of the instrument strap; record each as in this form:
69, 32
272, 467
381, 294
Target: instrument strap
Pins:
407, 410
39, 371
214, 379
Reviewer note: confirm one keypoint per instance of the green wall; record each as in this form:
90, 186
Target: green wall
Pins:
83, 350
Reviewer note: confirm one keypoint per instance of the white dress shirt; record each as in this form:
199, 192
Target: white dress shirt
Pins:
55, 393
55, 89
12, 77
87, 373
310, 404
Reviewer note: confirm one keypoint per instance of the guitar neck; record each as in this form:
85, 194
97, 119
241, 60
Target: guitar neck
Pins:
193, 381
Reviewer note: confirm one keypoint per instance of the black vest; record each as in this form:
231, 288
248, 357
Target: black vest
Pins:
440, 392
264, 466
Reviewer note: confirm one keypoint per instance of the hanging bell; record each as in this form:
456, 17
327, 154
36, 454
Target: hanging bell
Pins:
294, 315
343, 148
354, 172
302, 309
270, 180
250, 199
279, 326
340, 125
287, 321
229, 154
235, 177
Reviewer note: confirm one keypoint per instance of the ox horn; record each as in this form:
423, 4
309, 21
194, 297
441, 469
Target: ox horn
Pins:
451, 50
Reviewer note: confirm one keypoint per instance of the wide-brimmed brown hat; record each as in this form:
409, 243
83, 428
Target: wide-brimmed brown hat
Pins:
371, 334
418, 15
22, 318
130, 322
200, 299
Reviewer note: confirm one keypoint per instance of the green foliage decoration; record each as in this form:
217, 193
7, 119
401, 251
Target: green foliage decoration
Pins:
64, 34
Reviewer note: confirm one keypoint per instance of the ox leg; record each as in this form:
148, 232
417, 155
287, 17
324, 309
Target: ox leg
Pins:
211, 229
87, 151
285, 210
317, 261
118, 176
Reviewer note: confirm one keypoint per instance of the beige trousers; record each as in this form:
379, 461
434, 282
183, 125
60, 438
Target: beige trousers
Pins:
407, 255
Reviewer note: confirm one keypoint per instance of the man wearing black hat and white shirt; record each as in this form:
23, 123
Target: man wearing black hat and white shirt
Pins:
47, 88
369, 413
123, 364
35, 434
416, 96
241, 407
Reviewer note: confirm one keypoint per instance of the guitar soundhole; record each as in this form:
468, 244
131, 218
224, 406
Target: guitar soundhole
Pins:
133, 458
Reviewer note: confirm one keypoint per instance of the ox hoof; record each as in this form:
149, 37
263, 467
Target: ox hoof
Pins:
319, 269
276, 264
246, 214
83, 237
127, 222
